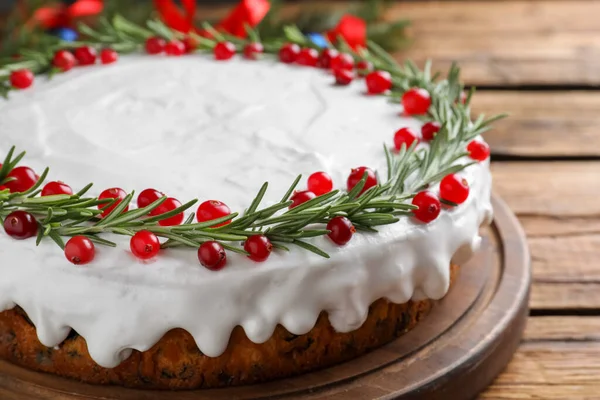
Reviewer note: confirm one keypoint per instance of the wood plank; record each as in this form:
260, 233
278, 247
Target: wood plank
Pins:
565, 296
565, 259
550, 370
559, 227
564, 328
554, 363
548, 367
557, 203
541, 391
546, 124
507, 42
551, 189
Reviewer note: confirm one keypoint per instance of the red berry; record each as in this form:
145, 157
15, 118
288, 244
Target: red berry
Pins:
259, 247
344, 76
301, 197
416, 101
289, 53
85, 55
212, 209
190, 44
320, 183
108, 56
63, 60
429, 206
378, 82
356, 176
212, 255
113, 193
342, 61
56, 187
20, 225
430, 129
326, 56
144, 245
253, 50
454, 188
24, 179
147, 197
308, 57
21, 78
364, 67
155, 45
166, 206
405, 136
175, 48
224, 51
341, 230
80, 250
478, 150
462, 97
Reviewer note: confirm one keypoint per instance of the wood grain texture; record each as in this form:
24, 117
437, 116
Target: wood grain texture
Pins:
563, 228
550, 370
542, 124
542, 392
566, 259
565, 296
507, 42
550, 189
557, 360
562, 363
542, 226
563, 328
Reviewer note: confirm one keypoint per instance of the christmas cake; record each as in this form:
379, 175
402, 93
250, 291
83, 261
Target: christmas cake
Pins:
252, 282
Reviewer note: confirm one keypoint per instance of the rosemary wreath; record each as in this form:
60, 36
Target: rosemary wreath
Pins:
408, 171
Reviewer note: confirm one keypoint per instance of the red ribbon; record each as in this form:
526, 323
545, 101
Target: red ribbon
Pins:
247, 12
176, 18
60, 16
352, 29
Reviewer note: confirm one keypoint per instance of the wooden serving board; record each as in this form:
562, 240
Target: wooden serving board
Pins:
458, 350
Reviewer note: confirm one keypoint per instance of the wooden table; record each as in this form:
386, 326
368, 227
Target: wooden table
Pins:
540, 62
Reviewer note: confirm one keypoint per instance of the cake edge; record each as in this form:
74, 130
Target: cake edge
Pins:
176, 363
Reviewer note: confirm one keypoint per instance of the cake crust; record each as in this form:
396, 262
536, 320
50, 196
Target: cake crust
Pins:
176, 363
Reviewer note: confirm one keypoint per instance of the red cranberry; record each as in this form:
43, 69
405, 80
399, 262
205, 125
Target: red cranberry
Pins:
212, 255
357, 174
20, 225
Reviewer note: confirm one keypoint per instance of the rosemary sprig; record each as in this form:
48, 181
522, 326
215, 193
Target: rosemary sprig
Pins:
408, 171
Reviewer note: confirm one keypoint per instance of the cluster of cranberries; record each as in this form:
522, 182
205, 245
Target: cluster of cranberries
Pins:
223, 50
416, 101
158, 45
343, 65
454, 190
64, 60
319, 183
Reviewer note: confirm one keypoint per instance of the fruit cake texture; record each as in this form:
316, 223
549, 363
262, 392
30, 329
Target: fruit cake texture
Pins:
175, 362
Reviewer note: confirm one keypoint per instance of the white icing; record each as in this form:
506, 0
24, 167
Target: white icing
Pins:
196, 128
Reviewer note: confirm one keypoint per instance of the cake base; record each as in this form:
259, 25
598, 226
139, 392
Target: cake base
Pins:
454, 353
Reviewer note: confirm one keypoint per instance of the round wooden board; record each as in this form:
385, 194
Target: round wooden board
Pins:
454, 353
